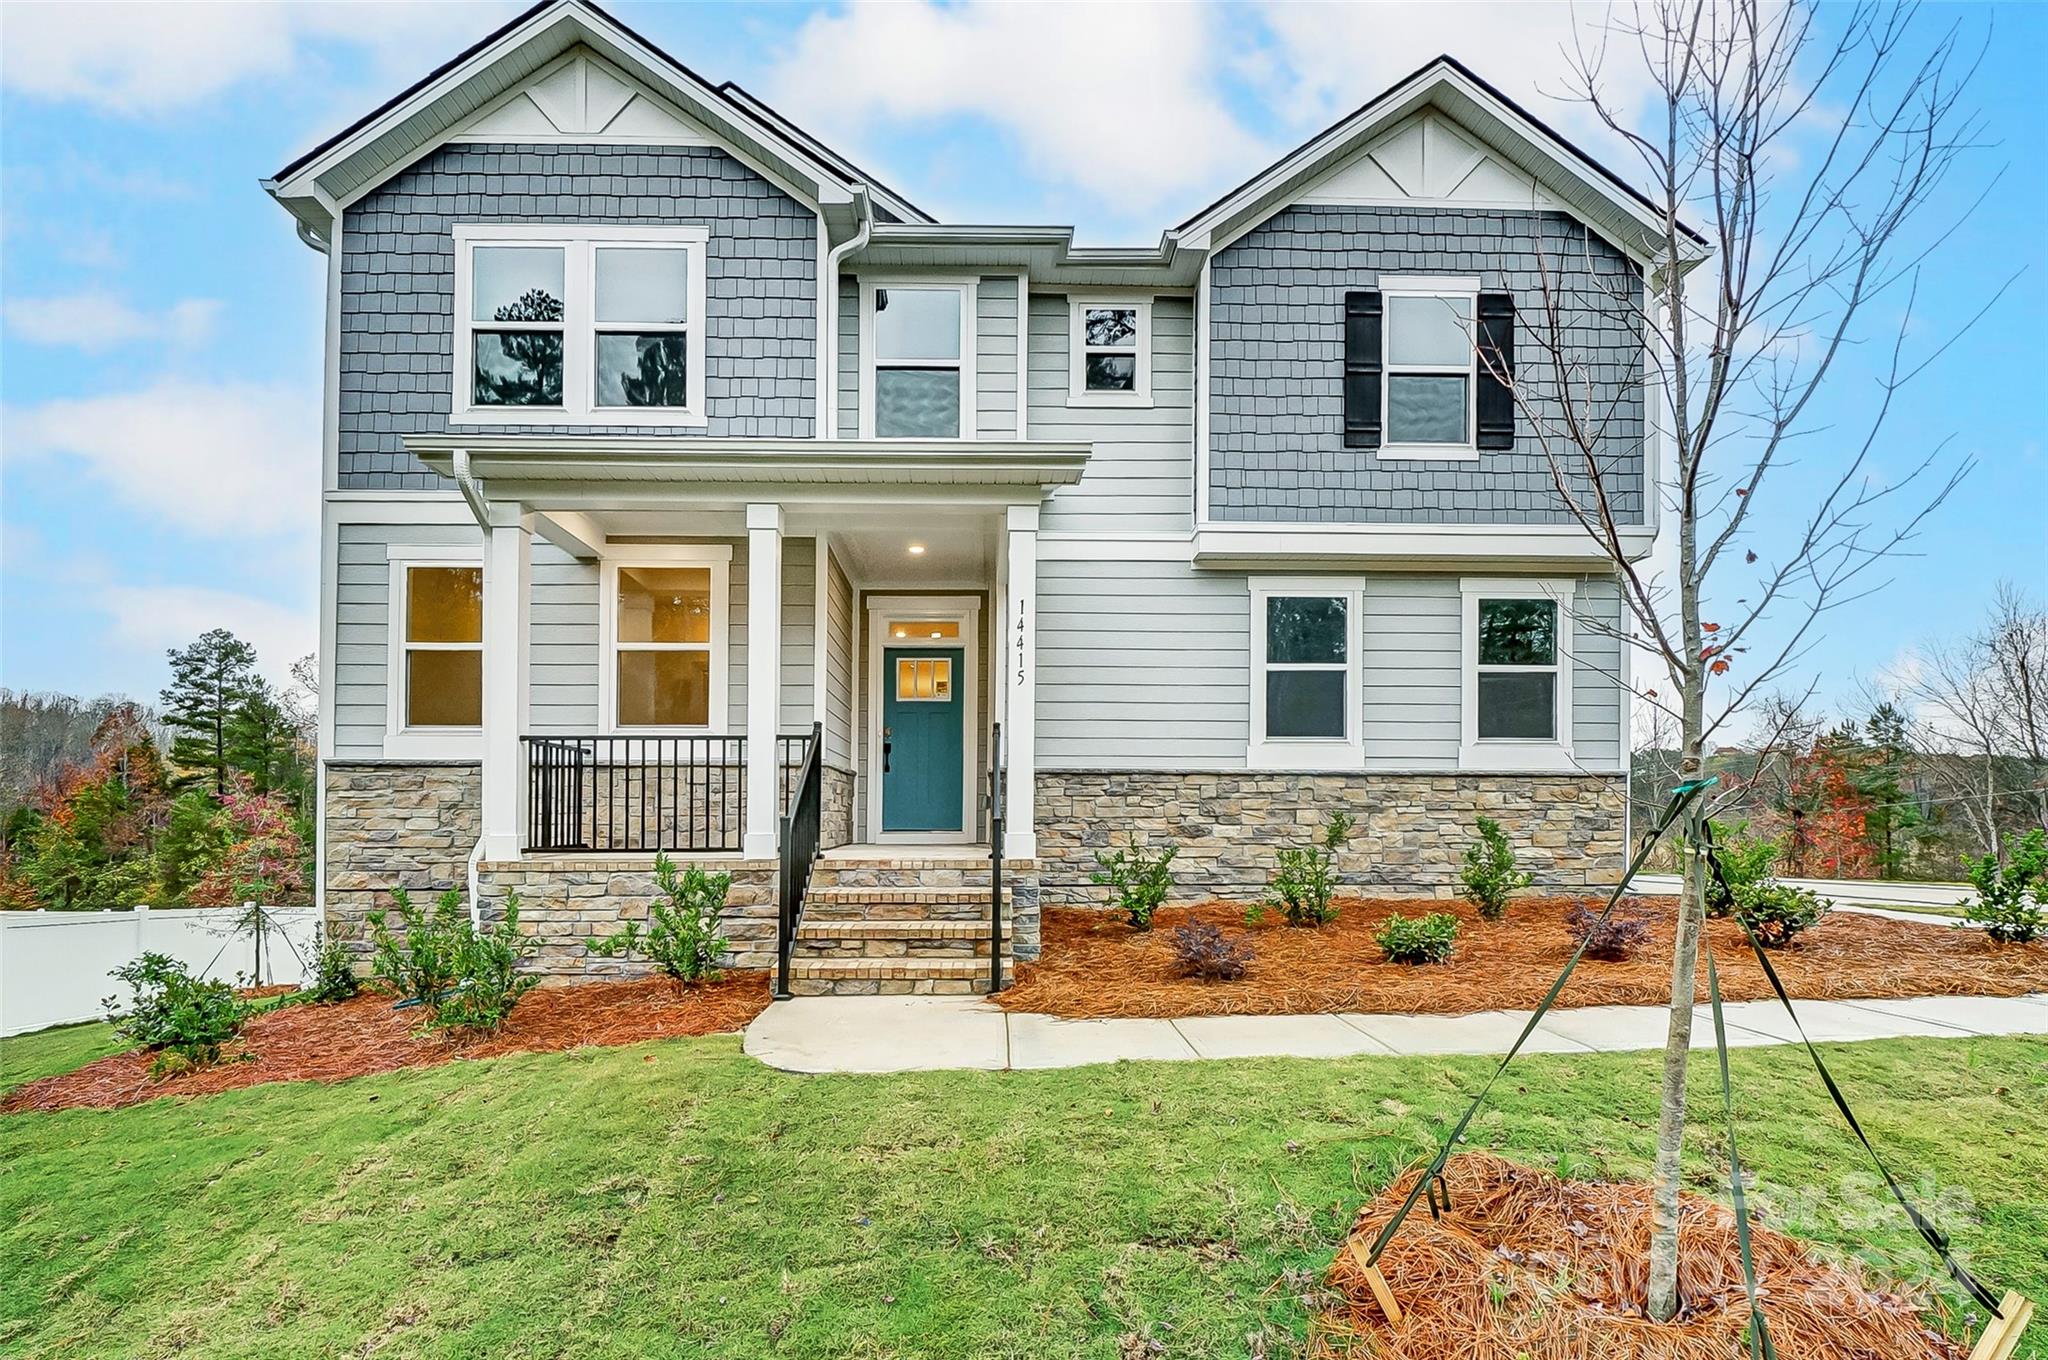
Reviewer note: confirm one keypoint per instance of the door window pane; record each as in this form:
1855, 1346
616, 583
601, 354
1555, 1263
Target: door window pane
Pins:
1425, 409
664, 604
917, 403
1305, 704
917, 323
1518, 704
1429, 331
642, 370
444, 688
518, 368
926, 679
650, 286
516, 283
664, 689
444, 604
1304, 629
1518, 632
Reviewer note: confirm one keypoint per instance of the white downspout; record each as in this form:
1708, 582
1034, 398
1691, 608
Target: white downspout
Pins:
829, 341
473, 494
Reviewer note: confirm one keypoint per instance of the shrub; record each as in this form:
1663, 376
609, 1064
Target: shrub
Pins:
184, 1018
420, 968
1490, 876
1745, 860
464, 978
1201, 950
1419, 939
1775, 912
1138, 883
488, 983
331, 976
1616, 939
2012, 902
681, 936
1307, 878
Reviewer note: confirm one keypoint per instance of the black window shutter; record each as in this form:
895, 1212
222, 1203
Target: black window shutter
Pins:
1362, 424
1496, 400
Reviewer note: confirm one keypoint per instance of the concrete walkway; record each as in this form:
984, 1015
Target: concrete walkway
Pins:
914, 1033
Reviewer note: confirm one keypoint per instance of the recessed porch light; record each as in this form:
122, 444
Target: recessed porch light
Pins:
917, 550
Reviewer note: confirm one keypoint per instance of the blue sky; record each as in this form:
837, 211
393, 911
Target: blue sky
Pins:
159, 363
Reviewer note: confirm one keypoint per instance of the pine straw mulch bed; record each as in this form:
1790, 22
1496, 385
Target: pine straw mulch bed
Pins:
1094, 966
1531, 1266
364, 1035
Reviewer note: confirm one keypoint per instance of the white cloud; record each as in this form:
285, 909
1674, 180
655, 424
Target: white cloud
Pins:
145, 59
1122, 101
215, 458
99, 320
151, 618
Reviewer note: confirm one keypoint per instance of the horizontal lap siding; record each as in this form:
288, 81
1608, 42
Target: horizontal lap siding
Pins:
995, 357
839, 677
397, 360
1141, 665
799, 627
1597, 665
362, 639
1140, 477
562, 628
1412, 685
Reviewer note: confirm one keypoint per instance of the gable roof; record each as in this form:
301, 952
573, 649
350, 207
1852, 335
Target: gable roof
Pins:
1561, 168
390, 135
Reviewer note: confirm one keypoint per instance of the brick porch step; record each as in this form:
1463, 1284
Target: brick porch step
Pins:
889, 977
894, 929
897, 903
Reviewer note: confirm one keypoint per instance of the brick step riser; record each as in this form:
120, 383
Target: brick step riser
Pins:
888, 987
890, 949
896, 911
823, 876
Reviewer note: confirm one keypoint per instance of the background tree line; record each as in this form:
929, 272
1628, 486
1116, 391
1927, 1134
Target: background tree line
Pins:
1945, 759
206, 801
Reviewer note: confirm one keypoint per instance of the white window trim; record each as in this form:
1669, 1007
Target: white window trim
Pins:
716, 556
579, 245
1077, 353
421, 743
1515, 755
1309, 753
968, 413
1427, 286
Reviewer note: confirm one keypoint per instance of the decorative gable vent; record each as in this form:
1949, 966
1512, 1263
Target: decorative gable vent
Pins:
582, 98
1429, 159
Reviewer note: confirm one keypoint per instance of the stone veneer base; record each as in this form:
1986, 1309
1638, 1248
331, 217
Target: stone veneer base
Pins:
1412, 833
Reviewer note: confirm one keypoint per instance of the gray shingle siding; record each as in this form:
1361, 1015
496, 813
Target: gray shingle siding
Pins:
1276, 364
398, 285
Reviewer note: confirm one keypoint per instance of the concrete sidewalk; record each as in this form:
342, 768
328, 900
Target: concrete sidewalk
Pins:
915, 1033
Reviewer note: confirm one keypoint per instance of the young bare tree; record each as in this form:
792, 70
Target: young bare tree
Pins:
1809, 158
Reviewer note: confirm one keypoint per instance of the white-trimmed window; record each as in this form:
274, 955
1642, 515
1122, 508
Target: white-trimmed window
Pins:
1305, 674
435, 672
1110, 348
1430, 367
917, 366
1518, 690
664, 639
589, 325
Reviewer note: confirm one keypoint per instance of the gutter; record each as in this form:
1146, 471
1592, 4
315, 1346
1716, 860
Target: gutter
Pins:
828, 381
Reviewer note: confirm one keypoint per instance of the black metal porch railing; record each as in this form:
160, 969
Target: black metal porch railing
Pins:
995, 853
801, 824
628, 794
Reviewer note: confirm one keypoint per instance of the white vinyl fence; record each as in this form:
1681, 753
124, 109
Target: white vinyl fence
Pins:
54, 964
1843, 892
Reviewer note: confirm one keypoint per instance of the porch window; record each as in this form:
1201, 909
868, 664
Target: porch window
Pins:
918, 369
443, 647
1517, 702
593, 325
664, 635
1429, 364
1305, 677
1111, 348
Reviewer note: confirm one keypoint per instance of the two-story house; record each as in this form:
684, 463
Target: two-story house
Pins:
686, 488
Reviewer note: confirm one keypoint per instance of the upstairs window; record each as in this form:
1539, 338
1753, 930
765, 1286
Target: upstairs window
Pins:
1111, 348
1429, 369
582, 325
918, 374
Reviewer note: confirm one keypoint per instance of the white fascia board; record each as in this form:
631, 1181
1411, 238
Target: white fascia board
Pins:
1404, 546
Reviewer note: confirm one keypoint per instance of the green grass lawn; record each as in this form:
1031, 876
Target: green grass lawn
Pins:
48, 1052
677, 1198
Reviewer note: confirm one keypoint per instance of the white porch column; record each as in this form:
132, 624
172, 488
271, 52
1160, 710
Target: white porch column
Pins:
1020, 685
764, 679
507, 588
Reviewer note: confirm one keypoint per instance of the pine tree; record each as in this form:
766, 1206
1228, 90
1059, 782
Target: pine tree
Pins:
210, 680
263, 742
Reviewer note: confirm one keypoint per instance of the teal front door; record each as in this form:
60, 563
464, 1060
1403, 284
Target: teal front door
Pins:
922, 733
